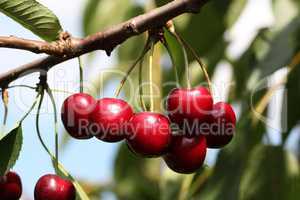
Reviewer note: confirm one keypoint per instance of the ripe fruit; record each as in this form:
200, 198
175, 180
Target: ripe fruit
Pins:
186, 154
52, 187
222, 125
75, 114
149, 134
188, 108
10, 186
110, 118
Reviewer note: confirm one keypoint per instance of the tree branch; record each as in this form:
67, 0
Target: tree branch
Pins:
68, 47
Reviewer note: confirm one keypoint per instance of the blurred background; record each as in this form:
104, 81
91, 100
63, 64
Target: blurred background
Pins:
248, 46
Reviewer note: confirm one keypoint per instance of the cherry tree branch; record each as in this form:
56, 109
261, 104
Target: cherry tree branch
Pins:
69, 47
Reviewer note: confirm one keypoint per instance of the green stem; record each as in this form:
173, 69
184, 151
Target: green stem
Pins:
141, 92
37, 123
145, 50
37, 98
186, 62
198, 59
55, 123
80, 75
24, 86
151, 77
166, 45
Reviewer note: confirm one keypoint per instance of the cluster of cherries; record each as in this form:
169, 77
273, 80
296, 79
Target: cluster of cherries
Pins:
194, 123
48, 187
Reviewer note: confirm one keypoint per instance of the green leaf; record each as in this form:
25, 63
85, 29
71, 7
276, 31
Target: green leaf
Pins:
10, 147
225, 180
234, 11
127, 51
271, 173
90, 13
137, 178
281, 49
33, 16
291, 116
62, 172
98, 14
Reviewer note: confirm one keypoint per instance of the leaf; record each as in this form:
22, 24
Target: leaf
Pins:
62, 172
270, 169
136, 178
290, 103
225, 180
98, 14
234, 11
10, 147
90, 12
281, 49
33, 16
127, 51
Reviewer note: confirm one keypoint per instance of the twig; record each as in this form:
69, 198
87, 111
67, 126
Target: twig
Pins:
106, 40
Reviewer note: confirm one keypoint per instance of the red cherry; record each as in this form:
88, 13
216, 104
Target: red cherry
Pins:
53, 187
10, 186
110, 118
186, 154
189, 108
222, 125
149, 134
75, 113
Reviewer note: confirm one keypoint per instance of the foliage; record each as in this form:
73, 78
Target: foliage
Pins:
248, 168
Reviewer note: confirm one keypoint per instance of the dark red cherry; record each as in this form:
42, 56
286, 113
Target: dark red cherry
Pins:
75, 113
186, 154
189, 108
53, 187
149, 134
222, 125
10, 186
110, 118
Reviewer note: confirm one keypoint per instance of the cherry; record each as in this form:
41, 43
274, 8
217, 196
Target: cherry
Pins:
110, 118
222, 125
75, 113
149, 134
188, 108
53, 187
10, 186
186, 154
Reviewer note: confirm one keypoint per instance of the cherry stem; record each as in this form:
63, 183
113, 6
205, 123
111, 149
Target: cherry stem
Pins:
185, 57
166, 45
38, 119
198, 59
145, 50
41, 92
151, 77
80, 75
55, 123
141, 93
37, 98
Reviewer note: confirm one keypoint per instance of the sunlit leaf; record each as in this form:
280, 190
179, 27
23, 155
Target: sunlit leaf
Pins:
10, 147
33, 16
269, 169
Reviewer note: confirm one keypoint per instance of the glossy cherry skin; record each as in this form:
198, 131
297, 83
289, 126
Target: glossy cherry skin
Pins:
186, 154
53, 187
149, 134
110, 118
10, 186
222, 125
75, 113
189, 107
